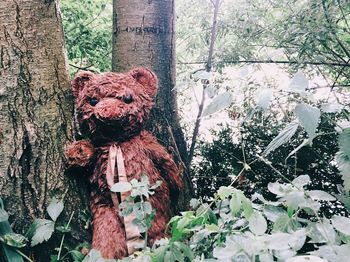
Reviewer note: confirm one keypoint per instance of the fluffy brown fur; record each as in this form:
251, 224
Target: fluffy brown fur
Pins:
112, 108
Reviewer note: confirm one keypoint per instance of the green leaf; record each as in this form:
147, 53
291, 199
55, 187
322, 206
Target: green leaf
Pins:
142, 224
331, 108
212, 228
257, 223
76, 255
272, 213
194, 203
299, 83
224, 192
286, 224
301, 181
63, 229
9, 254
235, 204
43, 230
15, 240
283, 137
202, 75
344, 142
308, 117
247, 207
264, 98
55, 208
342, 224
3, 215
305, 259
94, 256
125, 208
121, 187
220, 102
321, 232
185, 249
304, 143
320, 195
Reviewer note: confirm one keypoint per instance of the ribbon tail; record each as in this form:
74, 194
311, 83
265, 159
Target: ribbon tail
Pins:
133, 236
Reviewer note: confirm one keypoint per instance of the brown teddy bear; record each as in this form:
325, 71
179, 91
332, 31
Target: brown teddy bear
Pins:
111, 110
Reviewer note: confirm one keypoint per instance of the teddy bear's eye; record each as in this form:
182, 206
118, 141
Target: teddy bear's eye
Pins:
127, 99
93, 101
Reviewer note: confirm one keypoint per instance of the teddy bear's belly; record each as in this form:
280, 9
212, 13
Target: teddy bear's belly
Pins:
136, 165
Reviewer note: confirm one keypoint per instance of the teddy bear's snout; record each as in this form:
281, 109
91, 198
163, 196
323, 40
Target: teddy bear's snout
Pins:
109, 109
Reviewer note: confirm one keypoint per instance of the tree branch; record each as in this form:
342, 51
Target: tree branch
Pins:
205, 82
270, 62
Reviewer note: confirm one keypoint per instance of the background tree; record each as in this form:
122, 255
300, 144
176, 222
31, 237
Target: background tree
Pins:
35, 115
144, 35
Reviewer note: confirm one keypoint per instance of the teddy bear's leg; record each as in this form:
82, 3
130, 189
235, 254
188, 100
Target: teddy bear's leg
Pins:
108, 232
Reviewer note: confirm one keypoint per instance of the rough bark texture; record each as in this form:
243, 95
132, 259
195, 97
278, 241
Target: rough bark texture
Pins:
143, 35
35, 115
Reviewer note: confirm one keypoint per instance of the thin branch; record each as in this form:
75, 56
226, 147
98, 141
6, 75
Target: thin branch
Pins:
205, 83
83, 68
270, 62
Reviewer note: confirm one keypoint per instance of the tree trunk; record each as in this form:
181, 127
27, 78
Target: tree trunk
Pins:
143, 35
35, 116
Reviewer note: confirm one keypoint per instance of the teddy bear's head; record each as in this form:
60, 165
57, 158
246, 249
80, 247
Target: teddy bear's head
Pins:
114, 106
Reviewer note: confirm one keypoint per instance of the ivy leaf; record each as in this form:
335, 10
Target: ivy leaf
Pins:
308, 117
283, 137
55, 208
342, 224
43, 230
257, 223
220, 102
121, 187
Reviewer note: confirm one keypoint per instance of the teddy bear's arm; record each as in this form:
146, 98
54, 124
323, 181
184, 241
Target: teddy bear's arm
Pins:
79, 153
164, 162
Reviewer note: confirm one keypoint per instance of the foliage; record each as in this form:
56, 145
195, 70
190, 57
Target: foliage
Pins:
235, 228
40, 231
8, 239
137, 203
88, 34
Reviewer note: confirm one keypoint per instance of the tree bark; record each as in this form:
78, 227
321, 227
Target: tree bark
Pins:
144, 35
35, 117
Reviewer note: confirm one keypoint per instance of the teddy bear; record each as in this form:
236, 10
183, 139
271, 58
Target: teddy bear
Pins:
111, 111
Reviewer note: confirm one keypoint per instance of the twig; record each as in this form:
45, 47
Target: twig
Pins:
205, 83
270, 62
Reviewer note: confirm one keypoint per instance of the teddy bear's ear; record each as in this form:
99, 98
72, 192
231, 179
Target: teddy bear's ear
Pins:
146, 78
80, 81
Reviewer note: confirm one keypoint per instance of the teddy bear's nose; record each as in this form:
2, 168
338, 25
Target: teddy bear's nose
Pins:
109, 109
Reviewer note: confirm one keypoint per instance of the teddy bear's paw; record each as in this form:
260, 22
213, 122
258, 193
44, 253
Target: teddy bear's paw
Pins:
79, 153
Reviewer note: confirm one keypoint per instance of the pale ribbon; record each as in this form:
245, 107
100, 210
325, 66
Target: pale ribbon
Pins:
133, 237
